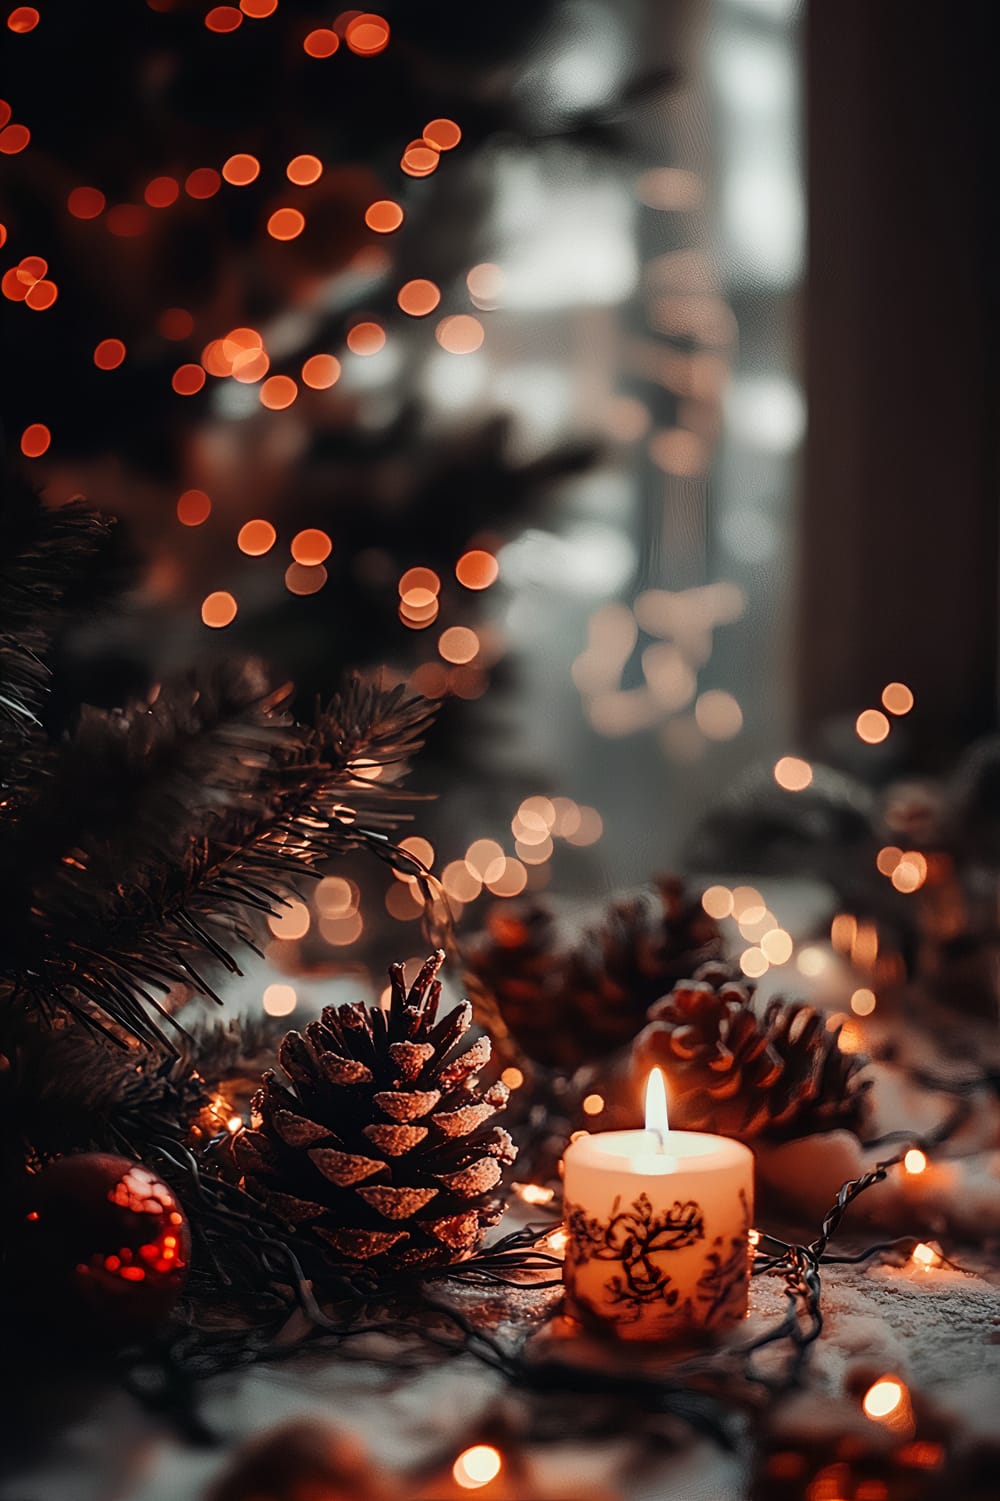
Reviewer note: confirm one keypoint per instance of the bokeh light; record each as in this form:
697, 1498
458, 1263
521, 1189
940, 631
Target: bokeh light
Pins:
305, 578
203, 182
258, 10
321, 43
35, 440
311, 546
279, 1000
188, 380
304, 170
218, 609
897, 698
367, 34
223, 18
161, 192
442, 134
485, 283
717, 901
320, 372
477, 569
419, 159
286, 224
383, 216
86, 203
14, 138
915, 1161
193, 508
872, 726
863, 1001
793, 774
366, 338
109, 354
278, 392
460, 333
255, 538
883, 1398
418, 297
241, 169
458, 644
291, 920
23, 18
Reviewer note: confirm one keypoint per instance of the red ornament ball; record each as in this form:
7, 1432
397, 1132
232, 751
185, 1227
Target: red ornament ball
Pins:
104, 1244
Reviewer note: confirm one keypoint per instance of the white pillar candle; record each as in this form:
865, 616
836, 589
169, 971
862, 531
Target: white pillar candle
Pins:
658, 1224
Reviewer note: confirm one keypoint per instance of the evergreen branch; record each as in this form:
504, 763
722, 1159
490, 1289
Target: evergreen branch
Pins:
151, 870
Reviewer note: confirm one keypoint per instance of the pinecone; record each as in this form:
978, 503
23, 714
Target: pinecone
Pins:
732, 1071
571, 996
380, 1148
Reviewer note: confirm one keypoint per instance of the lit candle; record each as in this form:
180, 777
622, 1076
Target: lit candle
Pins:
658, 1224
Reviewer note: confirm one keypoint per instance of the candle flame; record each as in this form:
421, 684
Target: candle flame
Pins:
656, 1104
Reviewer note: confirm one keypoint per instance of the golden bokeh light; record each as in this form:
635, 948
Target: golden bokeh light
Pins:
888, 858
419, 578
777, 947
915, 1161
341, 932
279, 1000
278, 392
304, 170
484, 857
872, 726
35, 440
443, 134
187, 380
593, 1104
460, 882
241, 169
418, 297
109, 354
337, 896
793, 774
223, 18
510, 881
910, 873
203, 182
367, 34
477, 569
746, 900
754, 963
86, 203
311, 546
23, 18
292, 920
811, 962
320, 372
193, 508
321, 43
218, 609
458, 644
255, 538
420, 849
286, 223
514, 1078
41, 295
419, 159
161, 192
460, 333
863, 1001
717, 901
305, 578
588, 830
383, 216
485, 283
366, 338
897, 698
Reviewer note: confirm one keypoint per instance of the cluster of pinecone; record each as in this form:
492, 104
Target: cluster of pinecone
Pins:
739, 1072
569, 994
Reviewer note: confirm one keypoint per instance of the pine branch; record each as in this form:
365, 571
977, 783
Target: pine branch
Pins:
134, 892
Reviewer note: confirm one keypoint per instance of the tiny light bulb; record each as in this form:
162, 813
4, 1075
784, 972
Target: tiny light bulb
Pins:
915, 1161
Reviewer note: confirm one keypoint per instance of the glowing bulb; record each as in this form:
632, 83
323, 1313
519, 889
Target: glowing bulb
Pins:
925, 1256
915, 1161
